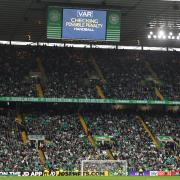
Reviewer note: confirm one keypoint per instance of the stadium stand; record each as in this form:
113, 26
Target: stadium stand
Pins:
14, 155
90, 88
68, 72
127, 74
66, 145
16, 65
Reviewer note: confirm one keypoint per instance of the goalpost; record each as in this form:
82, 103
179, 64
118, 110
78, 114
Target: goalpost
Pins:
103, 168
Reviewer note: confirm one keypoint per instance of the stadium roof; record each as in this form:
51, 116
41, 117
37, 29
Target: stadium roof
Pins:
20, 18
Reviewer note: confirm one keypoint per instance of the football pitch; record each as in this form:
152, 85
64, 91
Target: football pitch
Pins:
90, 178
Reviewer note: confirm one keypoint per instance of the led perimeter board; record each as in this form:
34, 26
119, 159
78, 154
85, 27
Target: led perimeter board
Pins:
83, 24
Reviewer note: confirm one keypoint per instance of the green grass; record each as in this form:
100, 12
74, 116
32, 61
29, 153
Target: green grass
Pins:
90, 178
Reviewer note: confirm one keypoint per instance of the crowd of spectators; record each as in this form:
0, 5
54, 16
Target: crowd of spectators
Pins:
132, 143
14, 155
135, 75
126, 74
71, 73
15, 67
166, 66
66, 145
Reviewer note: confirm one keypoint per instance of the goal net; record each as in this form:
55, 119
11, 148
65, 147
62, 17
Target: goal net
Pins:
103, 168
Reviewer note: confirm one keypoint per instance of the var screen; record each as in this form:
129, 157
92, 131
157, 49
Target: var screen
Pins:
83, 24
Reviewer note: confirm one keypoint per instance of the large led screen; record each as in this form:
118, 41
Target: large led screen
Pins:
84, 24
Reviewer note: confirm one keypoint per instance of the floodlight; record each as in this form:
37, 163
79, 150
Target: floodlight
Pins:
161, 33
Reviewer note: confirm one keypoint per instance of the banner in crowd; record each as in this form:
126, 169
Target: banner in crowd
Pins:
72, 173
36, 137
165, 138
83, 100
102, 138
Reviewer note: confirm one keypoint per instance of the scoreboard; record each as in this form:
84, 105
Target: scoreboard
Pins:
83, 24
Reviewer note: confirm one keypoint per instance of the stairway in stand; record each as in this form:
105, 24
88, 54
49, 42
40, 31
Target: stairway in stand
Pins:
156, 81
19, 120
101, 93
145, 126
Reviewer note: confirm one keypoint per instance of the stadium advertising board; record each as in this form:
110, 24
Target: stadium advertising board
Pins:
175, 173
163, 173
52, 173
83, 24
84, 100
135, 173
72, 173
